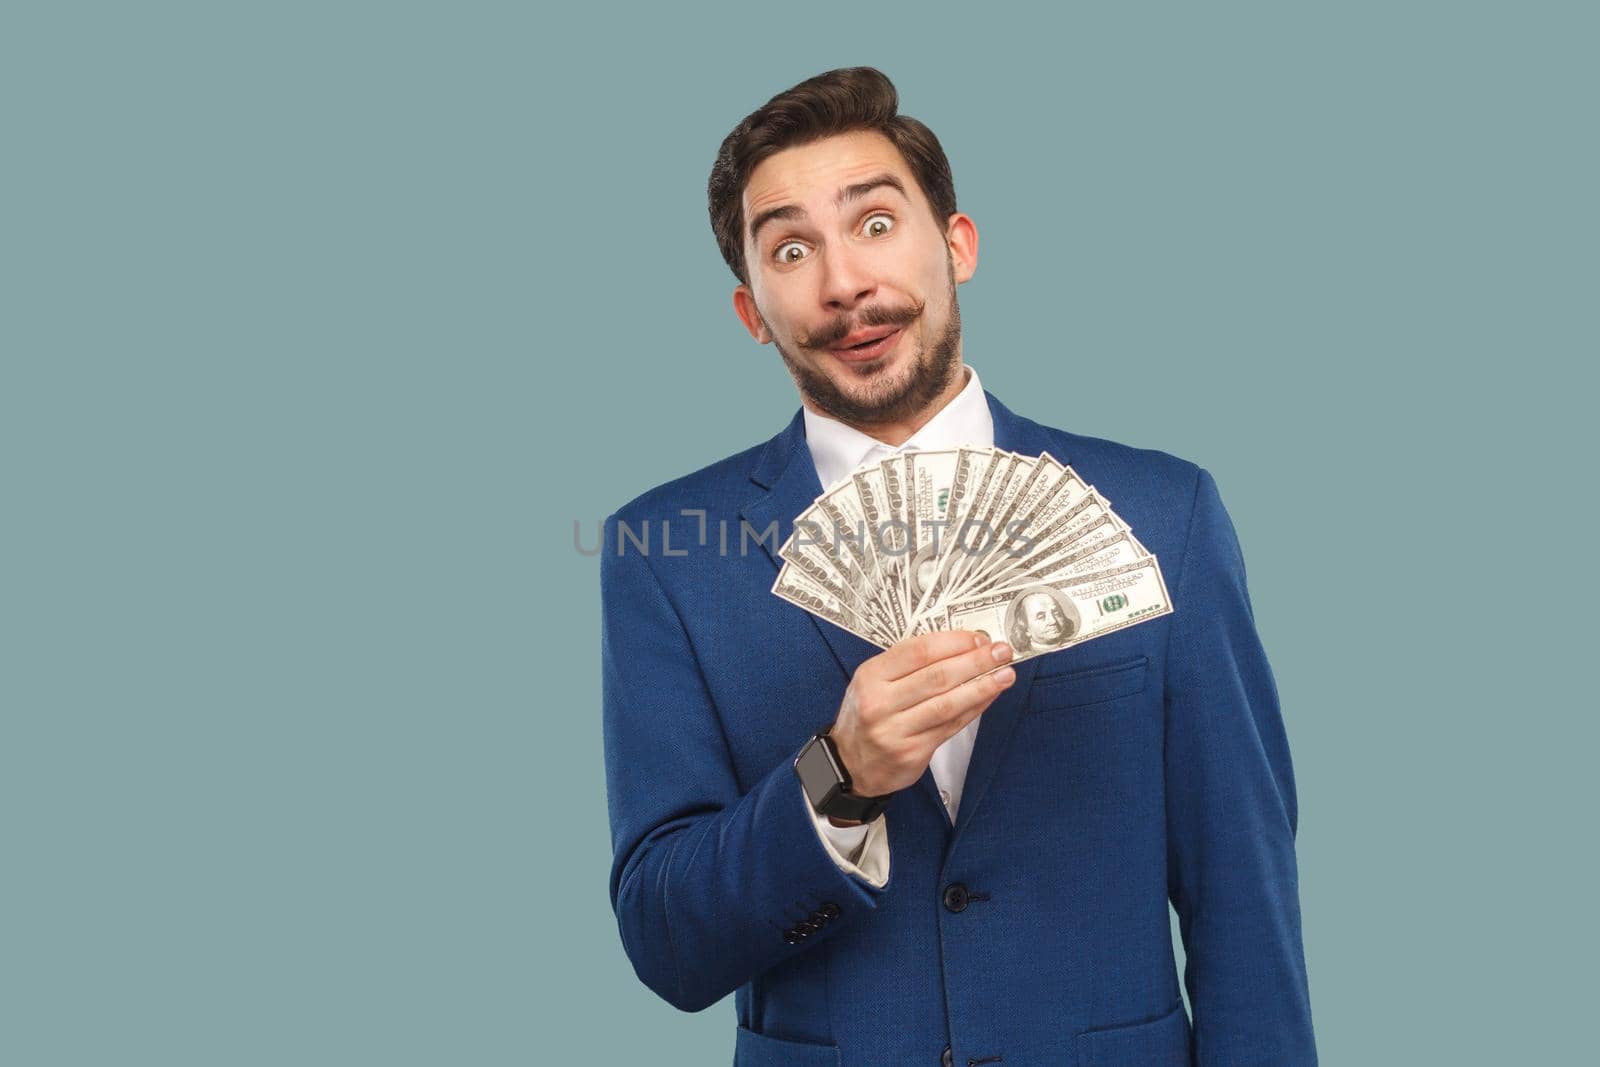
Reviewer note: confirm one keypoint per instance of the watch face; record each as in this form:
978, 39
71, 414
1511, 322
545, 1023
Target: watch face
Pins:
817, 775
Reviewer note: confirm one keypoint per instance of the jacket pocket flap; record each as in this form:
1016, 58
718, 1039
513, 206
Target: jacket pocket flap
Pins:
1092, 685
1162, 1042
751, 1049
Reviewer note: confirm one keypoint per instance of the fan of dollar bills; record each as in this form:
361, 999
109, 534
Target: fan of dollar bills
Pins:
1016, 547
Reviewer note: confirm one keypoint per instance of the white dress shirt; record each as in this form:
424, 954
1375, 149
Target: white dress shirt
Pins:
837, 449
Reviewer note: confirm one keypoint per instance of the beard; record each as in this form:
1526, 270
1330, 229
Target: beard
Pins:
886, 397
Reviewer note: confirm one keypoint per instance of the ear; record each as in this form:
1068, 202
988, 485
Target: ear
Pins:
961, 234
744, 305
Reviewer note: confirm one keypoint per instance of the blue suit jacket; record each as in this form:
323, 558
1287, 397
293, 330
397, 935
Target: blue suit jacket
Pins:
1147, 765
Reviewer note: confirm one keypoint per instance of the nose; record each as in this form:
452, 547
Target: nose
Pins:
846, 277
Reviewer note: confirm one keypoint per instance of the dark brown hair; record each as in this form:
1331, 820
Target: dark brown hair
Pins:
839, 101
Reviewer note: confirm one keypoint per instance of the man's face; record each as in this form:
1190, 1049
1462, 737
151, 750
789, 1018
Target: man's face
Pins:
858, 260
1046, 624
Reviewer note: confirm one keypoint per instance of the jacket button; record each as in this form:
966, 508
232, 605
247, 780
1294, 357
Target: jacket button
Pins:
946, 1059
806, 929
830, 909
817, 918
955, 896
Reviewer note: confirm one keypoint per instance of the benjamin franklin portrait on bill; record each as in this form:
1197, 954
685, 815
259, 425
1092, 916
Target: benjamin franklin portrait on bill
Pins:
1041, 617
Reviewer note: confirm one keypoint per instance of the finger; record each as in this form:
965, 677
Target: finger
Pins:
914, 653
959, 723
948, 673
949, 712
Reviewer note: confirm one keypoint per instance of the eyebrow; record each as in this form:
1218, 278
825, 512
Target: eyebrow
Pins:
846, 195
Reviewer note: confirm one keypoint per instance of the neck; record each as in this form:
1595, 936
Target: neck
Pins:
898, 432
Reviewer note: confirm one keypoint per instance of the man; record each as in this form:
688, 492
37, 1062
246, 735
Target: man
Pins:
1042, 814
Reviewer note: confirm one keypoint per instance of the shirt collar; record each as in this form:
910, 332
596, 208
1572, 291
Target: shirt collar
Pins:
837, 449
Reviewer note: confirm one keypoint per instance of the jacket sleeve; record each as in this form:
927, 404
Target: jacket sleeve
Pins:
1231, 814
861, 850
710, 885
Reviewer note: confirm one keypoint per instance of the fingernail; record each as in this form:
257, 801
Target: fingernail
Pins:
1005, 675
1000, 651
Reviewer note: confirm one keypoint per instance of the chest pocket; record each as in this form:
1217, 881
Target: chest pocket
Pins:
1089, 685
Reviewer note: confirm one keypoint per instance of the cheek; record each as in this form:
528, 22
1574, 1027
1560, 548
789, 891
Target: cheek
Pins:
775, 317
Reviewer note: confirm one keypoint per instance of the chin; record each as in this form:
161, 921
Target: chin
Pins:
877, 391
871, 369
895, 366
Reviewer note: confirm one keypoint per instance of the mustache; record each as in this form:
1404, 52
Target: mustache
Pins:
873, 316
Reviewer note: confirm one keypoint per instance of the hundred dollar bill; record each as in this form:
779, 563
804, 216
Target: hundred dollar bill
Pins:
845, 510
1014, 479
971, 463
890, 550
870, 493
972, 496
1096, 551
897, 525
930, 476
1005, 522
798, 589
854, 592
989, 502
832, 533
1099, 545
1040, 544
1005, 537
1045, 616
1039, 487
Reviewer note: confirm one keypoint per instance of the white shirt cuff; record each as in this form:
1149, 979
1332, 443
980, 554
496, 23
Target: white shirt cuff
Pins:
860, 850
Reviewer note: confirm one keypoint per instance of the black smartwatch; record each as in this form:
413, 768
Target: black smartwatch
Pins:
826, 782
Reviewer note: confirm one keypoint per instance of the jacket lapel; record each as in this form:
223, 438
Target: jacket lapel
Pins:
788, 476
787, 473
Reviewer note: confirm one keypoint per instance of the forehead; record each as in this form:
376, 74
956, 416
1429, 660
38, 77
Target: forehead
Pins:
814, 172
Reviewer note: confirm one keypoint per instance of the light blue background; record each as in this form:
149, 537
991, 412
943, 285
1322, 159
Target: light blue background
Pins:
323, 323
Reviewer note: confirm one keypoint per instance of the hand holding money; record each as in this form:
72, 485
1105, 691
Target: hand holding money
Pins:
902, 704
1016, 548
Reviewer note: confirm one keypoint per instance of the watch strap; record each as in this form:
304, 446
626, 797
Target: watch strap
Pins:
843, 803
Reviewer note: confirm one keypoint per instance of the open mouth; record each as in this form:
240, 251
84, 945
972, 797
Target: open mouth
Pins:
867, 349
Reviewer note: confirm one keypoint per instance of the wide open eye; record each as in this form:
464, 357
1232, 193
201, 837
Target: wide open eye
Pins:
867, 226
778, 255
879, 215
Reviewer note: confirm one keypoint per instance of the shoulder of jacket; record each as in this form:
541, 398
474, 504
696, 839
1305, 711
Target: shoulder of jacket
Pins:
712, 486
1114, 466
